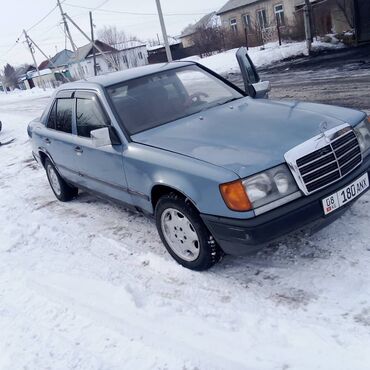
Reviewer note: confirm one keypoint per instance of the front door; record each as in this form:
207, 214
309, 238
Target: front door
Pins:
252, 82
101, 169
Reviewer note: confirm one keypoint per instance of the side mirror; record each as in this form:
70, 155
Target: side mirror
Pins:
262, 89
104, 136
252, 82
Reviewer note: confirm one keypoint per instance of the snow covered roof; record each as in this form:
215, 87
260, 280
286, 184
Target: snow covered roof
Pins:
130, 44
234, 4
209, 20
161, 46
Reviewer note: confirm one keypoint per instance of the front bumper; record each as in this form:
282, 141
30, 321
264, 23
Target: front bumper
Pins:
241, 237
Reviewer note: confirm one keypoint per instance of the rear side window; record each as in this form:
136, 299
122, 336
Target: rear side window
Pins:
64, 115
89, 116
52, 117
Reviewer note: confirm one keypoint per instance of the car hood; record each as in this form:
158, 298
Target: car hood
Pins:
248, 135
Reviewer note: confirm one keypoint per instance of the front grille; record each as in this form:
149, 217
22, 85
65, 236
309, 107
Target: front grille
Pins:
331, 162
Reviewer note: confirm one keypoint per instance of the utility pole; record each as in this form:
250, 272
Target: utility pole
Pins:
93, 42
68, 33
164, 32
66, 26
307, 25
29, 44
47, 58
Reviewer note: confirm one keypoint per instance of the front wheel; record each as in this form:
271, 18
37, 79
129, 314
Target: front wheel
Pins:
184, 234
63, 191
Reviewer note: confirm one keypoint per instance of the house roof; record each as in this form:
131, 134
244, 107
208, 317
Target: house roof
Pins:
84, 51
44, 65
206, 21
234, 4
62, 58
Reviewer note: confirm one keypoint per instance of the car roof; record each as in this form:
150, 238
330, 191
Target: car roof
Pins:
126, 75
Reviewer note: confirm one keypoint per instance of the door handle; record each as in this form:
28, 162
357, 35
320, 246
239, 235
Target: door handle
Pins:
78, 150
47, 141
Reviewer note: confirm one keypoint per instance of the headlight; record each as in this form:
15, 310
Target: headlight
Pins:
363, 135
262, 192
271, 186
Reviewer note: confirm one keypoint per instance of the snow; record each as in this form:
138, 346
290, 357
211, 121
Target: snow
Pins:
88, 285
226, 62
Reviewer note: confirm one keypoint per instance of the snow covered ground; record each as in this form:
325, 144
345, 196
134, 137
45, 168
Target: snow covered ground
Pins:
88, 285
226, 62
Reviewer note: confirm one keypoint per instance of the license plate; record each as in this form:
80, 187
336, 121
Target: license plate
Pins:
345, 195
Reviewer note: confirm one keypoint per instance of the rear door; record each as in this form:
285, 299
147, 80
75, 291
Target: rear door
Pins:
57, 137
252, 82
101, 169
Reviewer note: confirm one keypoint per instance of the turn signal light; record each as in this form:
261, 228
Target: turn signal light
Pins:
235, 197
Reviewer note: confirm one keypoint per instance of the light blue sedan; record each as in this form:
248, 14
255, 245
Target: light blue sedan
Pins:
221, 169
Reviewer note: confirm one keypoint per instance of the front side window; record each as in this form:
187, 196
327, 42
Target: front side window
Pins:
233, 24
89, 116
151, 101
279, 13
262, 18
64, 115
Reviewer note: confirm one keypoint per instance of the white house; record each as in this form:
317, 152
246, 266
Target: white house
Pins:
126, 55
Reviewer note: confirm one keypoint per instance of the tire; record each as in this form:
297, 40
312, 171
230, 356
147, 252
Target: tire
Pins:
184, 234
61, 189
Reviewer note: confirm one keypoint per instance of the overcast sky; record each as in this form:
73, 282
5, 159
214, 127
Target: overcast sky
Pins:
19, 14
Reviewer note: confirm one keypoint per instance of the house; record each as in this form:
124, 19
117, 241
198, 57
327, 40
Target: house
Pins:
125, 55
58, 65
208, 21
24, 82
42, 79
338, 16
258, 19
245, 16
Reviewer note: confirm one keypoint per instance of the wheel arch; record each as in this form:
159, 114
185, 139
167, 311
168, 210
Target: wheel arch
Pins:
159, 190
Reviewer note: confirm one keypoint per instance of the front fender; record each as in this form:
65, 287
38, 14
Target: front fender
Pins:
199, 181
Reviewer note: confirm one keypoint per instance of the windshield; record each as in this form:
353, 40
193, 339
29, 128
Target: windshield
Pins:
153, 100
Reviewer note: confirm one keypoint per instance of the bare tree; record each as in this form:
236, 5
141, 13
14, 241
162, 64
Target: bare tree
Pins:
10, 76
118, 40
346, 7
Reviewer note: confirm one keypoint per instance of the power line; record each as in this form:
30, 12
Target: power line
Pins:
131, 13
42, 19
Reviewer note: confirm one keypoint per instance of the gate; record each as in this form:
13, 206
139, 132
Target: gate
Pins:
362, 20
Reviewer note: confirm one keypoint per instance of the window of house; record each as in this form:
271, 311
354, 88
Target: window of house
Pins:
262, 18
247, 21
279, 13
89, 116
64, 115
233, 24
125, 60
109, 64
140, 54
98, 68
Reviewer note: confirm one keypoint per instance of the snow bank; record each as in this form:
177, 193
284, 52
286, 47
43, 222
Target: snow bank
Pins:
226, 62
21, 95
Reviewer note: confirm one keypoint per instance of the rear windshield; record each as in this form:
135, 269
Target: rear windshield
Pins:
154, 100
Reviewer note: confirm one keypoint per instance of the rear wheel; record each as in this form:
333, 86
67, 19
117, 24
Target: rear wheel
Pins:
184, 234
63, 191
